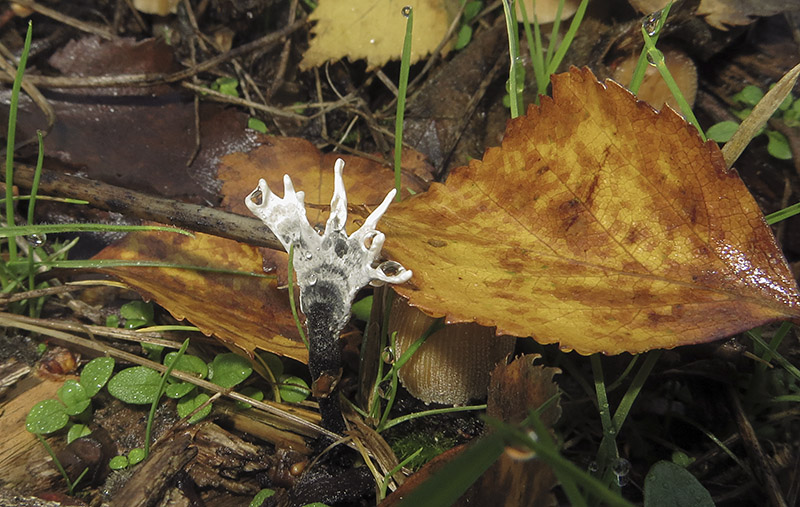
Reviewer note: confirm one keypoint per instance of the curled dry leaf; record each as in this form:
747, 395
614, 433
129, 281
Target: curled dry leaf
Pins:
599, 224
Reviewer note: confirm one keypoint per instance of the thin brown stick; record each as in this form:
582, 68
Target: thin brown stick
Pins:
67, 20
221, 97
147, 207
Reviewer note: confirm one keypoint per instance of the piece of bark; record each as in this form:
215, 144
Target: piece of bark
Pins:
155, 476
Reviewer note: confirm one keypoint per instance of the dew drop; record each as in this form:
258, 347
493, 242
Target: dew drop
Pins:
312, 279
650, 23
621, 467
37, 240
308, 256
387, 355
406, 11
372, 41
593, 468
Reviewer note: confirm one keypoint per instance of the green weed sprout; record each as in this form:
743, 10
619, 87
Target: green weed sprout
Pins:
51, 415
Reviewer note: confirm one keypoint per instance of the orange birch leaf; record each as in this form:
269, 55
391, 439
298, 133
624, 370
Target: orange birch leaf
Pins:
599, 224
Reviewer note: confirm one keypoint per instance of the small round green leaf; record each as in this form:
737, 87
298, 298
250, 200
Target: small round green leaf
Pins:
77, 431
294, 389
46, 417
363, 307
137, 310
136, 455
750, 95
778, 145
670, 485
96, 373
153, 351
178, 390
464, 36
73, 396
187, 404
228, 370
112, 321
273, 362
257, 125
472, 9
189, 364
261, 496
723, 131
118, 463
252, 392
136, 385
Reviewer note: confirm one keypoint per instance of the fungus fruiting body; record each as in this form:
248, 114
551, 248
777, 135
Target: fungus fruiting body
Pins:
330, 269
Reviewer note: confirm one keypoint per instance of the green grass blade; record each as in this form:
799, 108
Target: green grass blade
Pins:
551, 45
25, 230
790, 211
642, 63
535, 49
402, 89
117, 263
162, 385
513, 55
37, 175
568, 37
453, 479
657, 57
291, 298
11, 138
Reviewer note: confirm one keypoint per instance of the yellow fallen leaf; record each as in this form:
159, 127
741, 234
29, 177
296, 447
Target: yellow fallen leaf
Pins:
599, 224
374, 30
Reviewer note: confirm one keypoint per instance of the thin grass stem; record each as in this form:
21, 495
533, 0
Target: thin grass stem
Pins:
568, 37
402, 89
657, 57
11, 138
790, 211
514, 94
161, 386
643, 63
291, 298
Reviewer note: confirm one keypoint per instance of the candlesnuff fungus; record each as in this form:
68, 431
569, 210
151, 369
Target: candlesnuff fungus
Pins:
330, 269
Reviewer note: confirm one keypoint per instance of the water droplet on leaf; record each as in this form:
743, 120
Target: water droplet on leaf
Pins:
387, 355
650, 23
37, 240
406, 11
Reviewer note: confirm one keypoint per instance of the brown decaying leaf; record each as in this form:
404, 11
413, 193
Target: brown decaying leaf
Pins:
599, 224
365, 29
515, 389
245, 312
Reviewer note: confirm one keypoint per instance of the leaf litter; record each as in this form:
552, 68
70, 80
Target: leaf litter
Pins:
756, 294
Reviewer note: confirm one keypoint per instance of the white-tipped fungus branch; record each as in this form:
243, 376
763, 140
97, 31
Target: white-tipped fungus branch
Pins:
330, 269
